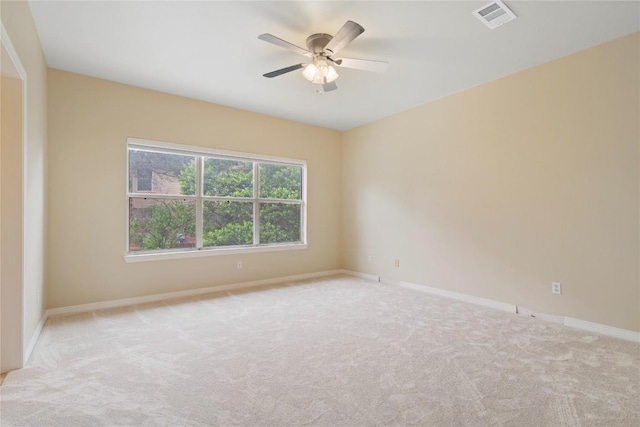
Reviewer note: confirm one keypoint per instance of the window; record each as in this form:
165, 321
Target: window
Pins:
194, 200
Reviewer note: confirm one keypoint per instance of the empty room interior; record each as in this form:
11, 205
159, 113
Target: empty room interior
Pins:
320, 213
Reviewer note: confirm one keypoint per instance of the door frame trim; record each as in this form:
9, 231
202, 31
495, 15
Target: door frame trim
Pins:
6, 42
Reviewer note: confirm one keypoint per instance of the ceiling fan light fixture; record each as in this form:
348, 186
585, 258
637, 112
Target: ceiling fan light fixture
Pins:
332, 75
320, 48
309, 72
319, 71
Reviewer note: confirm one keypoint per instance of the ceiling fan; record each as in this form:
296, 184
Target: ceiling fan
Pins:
321, 49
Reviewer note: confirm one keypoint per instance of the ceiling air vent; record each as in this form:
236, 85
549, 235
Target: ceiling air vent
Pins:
494, 14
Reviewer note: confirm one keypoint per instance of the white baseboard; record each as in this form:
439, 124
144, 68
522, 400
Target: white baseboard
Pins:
182, 294
509, 308
598, 328
538, 315
34, 337
361, 275
566, 321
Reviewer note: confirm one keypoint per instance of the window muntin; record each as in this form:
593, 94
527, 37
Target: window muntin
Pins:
201, 200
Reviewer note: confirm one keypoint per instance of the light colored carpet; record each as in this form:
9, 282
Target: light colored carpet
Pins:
334, 352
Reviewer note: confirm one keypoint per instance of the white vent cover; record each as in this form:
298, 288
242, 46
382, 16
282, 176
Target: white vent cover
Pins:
494, 14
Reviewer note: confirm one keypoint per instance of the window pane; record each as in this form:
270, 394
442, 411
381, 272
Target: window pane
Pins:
280, 182
145, 179
161, 173
227, 178
279, 222
161, 224
227, 223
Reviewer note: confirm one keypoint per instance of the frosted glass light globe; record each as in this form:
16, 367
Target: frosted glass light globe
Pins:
319, 71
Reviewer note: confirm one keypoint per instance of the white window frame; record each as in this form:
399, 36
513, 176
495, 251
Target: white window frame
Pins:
199, 251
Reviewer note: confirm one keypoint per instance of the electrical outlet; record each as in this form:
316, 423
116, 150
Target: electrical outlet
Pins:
370, 259
239, 265
556, 288
397, 263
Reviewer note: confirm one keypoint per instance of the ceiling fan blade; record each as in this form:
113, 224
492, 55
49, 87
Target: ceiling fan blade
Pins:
328, 87
362, 64
349, 31
281, 71
285, 44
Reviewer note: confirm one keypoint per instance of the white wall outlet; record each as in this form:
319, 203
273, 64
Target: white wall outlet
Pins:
239, 265
556, 288
397, 263
370, 259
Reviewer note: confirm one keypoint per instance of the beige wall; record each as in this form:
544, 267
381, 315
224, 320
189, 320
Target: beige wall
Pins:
18, 22
502, 189
89, 122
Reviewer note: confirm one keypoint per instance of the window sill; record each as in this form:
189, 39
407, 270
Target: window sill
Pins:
197, 253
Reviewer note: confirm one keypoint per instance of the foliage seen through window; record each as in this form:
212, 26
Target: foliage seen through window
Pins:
231, 198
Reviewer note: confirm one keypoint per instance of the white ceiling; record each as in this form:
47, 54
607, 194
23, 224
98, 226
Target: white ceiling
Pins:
210, 50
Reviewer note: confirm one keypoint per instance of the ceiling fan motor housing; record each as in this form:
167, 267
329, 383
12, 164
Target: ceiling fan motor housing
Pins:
317, 42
